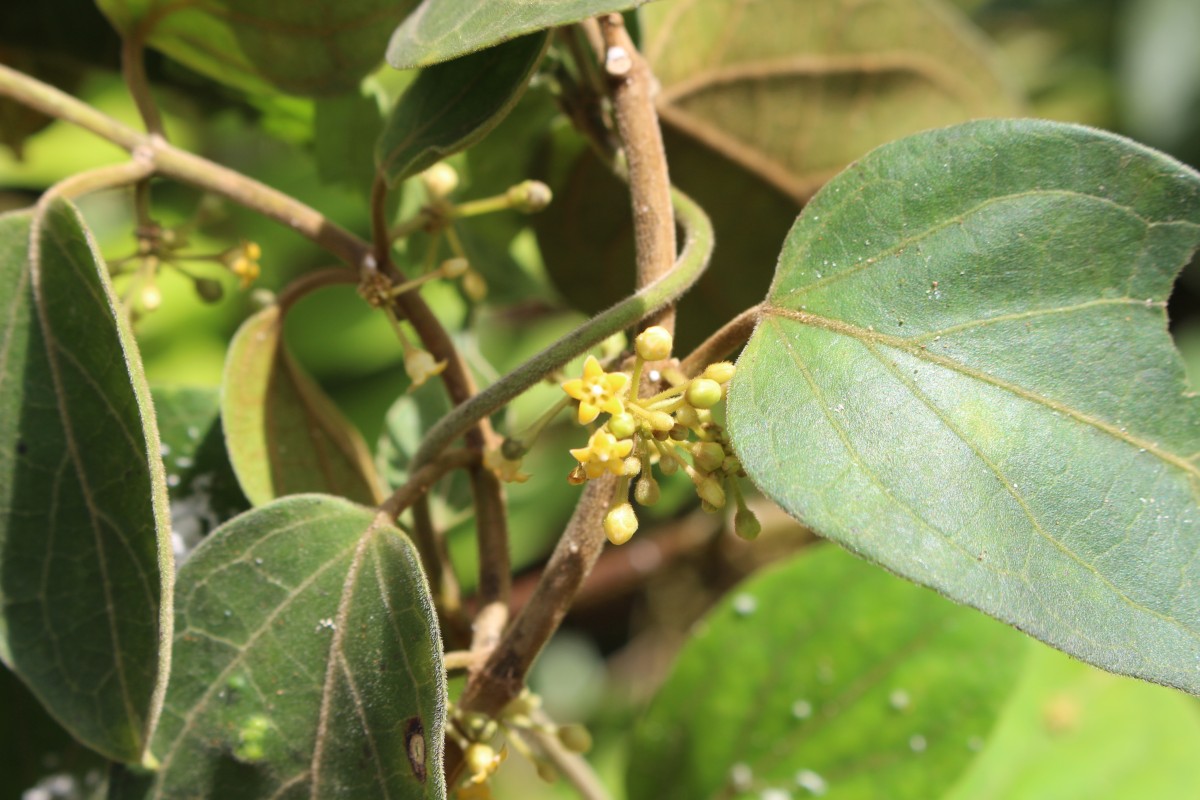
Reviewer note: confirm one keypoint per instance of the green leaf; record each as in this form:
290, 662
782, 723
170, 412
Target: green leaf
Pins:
828, 677
795, 91
439, 30
85, 549
284, 436
201, 485
342, 127
451, 106
309, 663
315, 48
1072, 731
963, 373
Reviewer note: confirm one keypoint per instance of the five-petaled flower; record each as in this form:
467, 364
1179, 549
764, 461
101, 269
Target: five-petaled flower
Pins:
604, 453
597, 391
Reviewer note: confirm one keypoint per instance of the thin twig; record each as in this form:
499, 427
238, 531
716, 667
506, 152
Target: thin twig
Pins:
133, 69
729, 337
649, 182
310, 282
420, 481
573, 766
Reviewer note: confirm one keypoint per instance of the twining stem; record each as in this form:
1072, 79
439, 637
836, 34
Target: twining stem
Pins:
133, 69
420, 481
310, 282
731, 336
697, 248
632, 85
572, 766
115, 176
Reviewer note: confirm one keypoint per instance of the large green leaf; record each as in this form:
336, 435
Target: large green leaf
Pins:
796, 91
963, 372
308, 663
825, 676
85, 552
314, 48
201, 484
284, 436
439, 30
1072, 731
451, 106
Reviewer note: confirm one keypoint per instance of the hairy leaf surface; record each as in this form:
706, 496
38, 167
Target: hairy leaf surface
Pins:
439, 30
315, 48
309, 663
85, 553
451, 106
824, 676
796, 91
963, 372
283, 434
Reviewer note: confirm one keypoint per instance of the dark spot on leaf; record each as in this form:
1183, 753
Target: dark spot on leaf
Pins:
22, 448
414, 745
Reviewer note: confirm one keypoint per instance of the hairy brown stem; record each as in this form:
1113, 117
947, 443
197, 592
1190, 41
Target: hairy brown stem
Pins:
646, 160
729, 337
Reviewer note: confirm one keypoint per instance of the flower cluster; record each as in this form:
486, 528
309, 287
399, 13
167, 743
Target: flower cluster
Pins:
475, 734
673, 429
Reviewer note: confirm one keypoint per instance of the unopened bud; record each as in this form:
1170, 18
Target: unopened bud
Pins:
620, 523
151, 297
208, 290
455, 267
654, 343
440, 180
529, 197
703, 393
646, 491
575, 738
745, 524
546, 771
710, 491
622, 426
708, 456
513, 449
475, 285
661, 420
480, 758
721, 372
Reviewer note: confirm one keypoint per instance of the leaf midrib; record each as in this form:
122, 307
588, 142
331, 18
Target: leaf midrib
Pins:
918, 351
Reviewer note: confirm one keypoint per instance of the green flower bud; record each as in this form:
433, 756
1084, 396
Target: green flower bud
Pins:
209, 291
546, 771
660, 420
575, 738
745, 524
708, 456
704, 393
646, 491
654, 343
620, 523
455, 267
687, 417
529, 197
679, 433
622, 426
710, 491
721, 372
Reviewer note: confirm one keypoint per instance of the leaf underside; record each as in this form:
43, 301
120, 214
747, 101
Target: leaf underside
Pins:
308, 663
883, 692
963, 373
439, 30
85, 555
283, 434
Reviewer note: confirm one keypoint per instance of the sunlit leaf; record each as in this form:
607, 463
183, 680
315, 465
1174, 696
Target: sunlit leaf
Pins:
796, 91
284, 436
439, 30
85, 554
309, 663
825, 676
963, 372
451, 106
1071, 731
315, 48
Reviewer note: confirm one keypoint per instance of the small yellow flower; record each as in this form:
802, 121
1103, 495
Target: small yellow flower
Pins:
597, 391
506, 469
420, 366
243, 262
604, 453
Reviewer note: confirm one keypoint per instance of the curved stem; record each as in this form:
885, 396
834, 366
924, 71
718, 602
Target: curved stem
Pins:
729, 337
133, 69
688, 267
